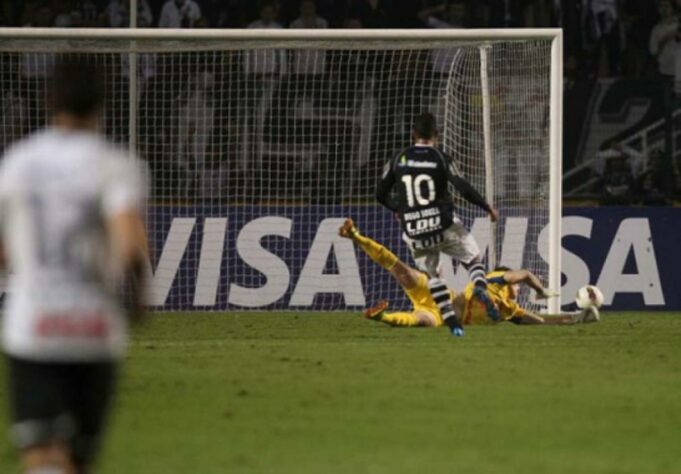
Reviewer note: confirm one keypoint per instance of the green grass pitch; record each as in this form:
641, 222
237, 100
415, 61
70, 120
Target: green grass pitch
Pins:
332, 393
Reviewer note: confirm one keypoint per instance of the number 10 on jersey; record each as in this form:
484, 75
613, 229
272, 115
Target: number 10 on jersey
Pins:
412, 186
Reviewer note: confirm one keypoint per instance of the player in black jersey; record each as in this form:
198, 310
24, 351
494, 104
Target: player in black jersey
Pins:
418, 185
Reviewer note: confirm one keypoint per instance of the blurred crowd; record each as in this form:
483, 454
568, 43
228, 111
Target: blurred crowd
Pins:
606, 36
285, 13
603, 39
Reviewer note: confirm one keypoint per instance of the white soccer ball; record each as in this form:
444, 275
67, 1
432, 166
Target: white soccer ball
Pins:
589, 296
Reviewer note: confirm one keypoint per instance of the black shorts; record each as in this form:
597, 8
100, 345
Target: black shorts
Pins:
60, 402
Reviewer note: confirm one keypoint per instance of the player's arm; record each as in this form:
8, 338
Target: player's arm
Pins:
512, 277
520, 315
3, 255
6, 181
129, 241
562, 319
123, 201
525, 316
528, 317
385, 187
468, 192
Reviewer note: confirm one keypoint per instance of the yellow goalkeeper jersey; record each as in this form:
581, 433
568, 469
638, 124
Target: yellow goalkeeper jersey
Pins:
475, 312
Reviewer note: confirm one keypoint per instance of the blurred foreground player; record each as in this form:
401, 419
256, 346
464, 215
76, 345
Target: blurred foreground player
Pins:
503, 288
71, 233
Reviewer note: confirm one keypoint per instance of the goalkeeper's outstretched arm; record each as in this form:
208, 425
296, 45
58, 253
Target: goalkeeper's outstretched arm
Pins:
561, 319
513, 277
531, 318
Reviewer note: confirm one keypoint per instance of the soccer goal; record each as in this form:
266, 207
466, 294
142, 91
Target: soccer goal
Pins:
260, 142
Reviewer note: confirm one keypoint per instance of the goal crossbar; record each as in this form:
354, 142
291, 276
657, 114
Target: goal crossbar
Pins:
242, 35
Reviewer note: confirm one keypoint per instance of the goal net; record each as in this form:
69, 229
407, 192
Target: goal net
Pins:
259, 144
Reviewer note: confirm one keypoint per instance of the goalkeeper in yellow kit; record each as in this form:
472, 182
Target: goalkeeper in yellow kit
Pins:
503, 287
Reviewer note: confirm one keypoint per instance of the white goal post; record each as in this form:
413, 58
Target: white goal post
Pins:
260, 141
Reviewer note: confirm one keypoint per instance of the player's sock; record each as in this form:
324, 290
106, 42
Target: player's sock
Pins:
476, 272
480, 293
440, 293
400, 319
376, 252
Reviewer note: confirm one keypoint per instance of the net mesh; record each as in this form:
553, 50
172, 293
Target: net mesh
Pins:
518, 100
258, 151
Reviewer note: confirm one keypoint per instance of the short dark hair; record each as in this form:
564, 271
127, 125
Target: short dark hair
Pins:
502, 268
77, 87
425, 126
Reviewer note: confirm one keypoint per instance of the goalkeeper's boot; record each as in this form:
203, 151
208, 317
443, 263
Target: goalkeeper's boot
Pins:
480, 294
348, 229
376, 311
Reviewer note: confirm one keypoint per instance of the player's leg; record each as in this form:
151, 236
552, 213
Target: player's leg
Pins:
476, 271
401, 318
442, 297
459, 244
459, 306
415, 318
374, 250
439, 291
428, 260
41, 426
406, 276
94, 388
